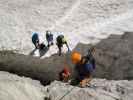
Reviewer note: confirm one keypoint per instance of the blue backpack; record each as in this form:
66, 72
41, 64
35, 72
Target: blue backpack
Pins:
89, 64
88, 67
35, 37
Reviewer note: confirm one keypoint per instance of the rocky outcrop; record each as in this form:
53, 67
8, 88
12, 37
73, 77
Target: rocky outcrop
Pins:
45, 70
99, 89
13, 87
114, 59
114, 56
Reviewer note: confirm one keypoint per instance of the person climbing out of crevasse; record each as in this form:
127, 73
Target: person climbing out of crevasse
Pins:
84, 66
35, 40
49, 38
60, 42
64, 75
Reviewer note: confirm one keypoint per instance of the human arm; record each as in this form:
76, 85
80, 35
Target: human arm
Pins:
67, 46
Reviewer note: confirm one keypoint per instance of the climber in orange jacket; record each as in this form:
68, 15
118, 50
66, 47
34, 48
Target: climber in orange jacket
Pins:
84, 66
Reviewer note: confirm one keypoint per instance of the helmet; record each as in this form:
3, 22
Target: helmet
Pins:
76, 57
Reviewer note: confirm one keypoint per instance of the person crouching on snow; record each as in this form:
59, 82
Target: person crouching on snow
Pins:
60, 42
38, 41
35, 40
49, 38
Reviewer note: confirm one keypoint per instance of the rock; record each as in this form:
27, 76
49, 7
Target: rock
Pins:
13, 87
113, 56
45, 70
114, 60
100, 89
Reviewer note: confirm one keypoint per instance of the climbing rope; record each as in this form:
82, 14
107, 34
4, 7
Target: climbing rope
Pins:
66, 93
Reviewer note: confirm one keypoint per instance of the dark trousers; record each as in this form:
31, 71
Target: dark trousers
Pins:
60, 49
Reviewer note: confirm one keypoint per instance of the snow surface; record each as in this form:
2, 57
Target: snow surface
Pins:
99, 89
86, 21
13, 87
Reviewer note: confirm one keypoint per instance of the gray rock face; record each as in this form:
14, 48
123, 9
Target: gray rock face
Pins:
13, 87
114, 59
99, 89
45, 70
114, 56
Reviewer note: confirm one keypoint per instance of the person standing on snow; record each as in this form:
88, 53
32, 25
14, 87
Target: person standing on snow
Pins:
49, 38
60, 42
84, 66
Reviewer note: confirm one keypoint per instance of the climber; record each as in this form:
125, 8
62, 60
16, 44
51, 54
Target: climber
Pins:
60, 41
84, 66
42, 46
35, 40
64, 75
38, 41
49, 38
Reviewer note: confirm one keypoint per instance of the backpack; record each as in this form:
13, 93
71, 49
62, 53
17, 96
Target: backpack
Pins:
89, 63
88, 67
35, 38
51, 37
60, 39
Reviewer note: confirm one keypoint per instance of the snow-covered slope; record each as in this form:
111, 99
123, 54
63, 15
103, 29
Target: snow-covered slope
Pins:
99, 89
86, 21
13, 87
